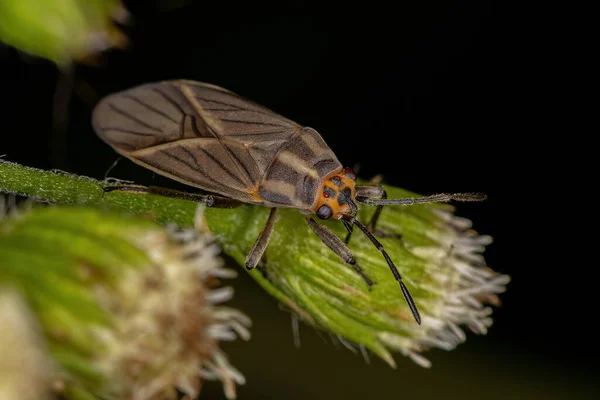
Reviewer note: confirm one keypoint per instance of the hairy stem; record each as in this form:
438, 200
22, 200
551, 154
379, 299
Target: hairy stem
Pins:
60, 187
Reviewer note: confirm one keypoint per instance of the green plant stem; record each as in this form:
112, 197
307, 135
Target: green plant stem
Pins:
63, 188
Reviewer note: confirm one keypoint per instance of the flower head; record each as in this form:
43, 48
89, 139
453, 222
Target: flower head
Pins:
438, 254
127, 308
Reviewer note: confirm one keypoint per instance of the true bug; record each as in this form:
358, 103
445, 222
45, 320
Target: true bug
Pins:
212, 139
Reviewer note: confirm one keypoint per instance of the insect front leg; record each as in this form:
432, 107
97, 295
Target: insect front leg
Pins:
367, 192
338, 247
211, 200
370, 192
262, 241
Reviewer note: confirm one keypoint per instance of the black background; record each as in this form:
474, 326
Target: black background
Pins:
433, 95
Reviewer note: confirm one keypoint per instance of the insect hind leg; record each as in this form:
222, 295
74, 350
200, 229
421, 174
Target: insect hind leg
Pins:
211, 200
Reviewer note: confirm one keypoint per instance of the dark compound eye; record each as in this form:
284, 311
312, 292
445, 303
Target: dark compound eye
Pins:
324, 212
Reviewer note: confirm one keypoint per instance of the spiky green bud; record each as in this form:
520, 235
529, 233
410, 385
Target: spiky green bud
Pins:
438, 254
127, 308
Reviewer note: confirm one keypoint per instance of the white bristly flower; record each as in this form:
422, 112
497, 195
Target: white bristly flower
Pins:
437, 253
131, 310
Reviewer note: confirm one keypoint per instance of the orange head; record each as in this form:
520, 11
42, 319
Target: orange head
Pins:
335, 199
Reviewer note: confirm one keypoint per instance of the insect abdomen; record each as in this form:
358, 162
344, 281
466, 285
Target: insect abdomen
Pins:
297, 171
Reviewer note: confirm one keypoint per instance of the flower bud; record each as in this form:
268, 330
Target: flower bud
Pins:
438, 255
128, 309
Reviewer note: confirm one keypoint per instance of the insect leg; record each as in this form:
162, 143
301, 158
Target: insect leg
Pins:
395, 272
366, 192
349, 228
211, 200
338, 247
262, 241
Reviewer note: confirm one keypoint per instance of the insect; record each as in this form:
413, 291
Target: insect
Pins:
240, 152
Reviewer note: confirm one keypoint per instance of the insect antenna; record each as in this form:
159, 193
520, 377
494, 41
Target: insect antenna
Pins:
405, 292
348, 226
436, 198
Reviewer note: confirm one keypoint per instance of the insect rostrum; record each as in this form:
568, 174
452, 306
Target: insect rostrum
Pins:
212, 139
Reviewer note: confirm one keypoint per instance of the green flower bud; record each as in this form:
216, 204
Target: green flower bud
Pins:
127, 308
438, 254
62, 30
